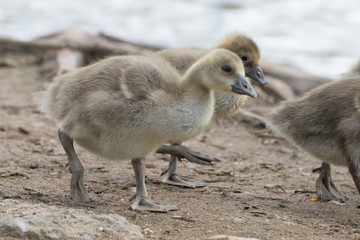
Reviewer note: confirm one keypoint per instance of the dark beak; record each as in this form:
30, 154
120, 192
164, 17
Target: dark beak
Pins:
257, 74
243, 87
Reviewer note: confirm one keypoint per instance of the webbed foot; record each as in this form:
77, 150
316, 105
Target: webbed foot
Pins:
325, 188
176, 180
145, 204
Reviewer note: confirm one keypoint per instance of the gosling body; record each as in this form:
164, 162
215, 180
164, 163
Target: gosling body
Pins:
126, 107
107, 108
326, 123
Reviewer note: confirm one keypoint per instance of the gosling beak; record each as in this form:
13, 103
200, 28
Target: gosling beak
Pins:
257, 74
243, 87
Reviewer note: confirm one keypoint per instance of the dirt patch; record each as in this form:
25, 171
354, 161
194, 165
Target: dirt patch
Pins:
261, 189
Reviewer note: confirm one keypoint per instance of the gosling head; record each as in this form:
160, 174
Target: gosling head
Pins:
225, 71
249, 54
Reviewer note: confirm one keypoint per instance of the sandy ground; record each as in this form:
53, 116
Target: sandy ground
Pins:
261, 189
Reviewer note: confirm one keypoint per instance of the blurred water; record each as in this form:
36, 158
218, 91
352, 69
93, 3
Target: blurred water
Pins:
319, 36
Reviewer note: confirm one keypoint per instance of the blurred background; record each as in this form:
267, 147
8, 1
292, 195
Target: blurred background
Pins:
318, 36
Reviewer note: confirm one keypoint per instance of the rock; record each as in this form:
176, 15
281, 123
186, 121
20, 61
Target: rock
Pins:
40, 221
337, 202
12, 227
237, 219
286, 150
269, 186
23, 131
33, 165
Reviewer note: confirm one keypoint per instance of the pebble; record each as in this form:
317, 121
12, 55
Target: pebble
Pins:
237, 219
34, 165
269, 186
286, 150
337, 202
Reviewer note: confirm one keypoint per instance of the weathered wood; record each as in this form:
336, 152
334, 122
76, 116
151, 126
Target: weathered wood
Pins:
84, 48
78, 40
299, 80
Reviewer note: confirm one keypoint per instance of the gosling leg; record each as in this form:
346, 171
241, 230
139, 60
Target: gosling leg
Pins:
172, 177
354, 170
185, 152
142, 202
325, 188
77, 189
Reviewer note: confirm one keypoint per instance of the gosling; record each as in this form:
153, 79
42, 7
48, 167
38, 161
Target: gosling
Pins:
326, 123
126, 107
226, 104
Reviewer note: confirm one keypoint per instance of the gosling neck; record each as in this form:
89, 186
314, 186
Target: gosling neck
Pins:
196, 92
193, 79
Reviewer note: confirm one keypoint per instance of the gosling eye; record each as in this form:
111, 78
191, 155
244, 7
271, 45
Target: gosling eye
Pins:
226, 69
244, 58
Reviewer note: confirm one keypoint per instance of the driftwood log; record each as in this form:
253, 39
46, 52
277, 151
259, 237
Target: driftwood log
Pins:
66, 50
74, 48
71, 48
101, 44
356, 69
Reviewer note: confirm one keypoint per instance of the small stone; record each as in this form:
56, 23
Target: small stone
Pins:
337, 202
23, 131
190, 165
269, 186
286, 150
133, 189
87, 237
37, 124
58, 153
269, 141
34, 165
150, 165
148, 231
237, 219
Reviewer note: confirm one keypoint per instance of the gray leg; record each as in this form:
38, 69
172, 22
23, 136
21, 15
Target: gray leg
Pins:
142, 202
172, 177
184, 152
325, 188
354, 170
77, 189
